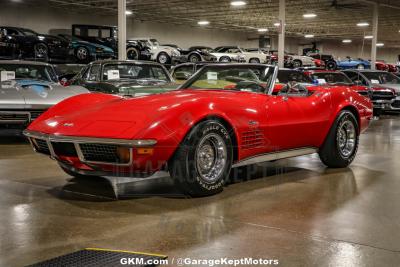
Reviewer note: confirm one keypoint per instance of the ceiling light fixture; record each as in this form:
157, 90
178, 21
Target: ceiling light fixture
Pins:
238, 3
128, 12
262, 30
203, 22
346, 41
309, 36
380, 44
368, 37
309, 15
277, 24
362, 24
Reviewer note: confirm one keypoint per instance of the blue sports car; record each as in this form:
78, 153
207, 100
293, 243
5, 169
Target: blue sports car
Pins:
84, 52
351, 63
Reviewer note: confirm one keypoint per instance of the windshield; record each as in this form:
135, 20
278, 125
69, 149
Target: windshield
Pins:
28, 32
116, 72
62, 69
35, 72
382, 77
331, 78
203, 49
240, 78
285, 76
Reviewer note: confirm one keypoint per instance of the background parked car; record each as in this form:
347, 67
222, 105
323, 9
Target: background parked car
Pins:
159, 53
126, 78
34, 45
194, 53
330, 62
351, 63
8, 46
250, 57
32, 89
296, 61
65, 72
84, 51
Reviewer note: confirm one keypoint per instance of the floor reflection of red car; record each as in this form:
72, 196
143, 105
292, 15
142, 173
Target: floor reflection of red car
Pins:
224, 116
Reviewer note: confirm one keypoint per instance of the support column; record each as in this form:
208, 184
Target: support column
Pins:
374, 34
122, 29
281, 39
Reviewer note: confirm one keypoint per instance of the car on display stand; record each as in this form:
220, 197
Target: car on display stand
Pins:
32, 45
84, 51
8, 46
159, 53
382, 83
27, 90
125, 78
224, 116
381, 65
330, 62
194, 53
250, 57
351, 63
227, 57
296, 61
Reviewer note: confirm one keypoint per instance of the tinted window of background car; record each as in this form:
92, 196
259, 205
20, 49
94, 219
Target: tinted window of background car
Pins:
36, 72
105, 33
285, 76
93, 33
132, 71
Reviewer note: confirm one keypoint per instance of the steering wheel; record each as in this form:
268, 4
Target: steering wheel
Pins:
293, 88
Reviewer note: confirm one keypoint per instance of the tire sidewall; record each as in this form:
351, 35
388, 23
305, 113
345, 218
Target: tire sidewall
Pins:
192, 179
168, 58
87, 54
344, 117
197, 57
225, 59
136, 53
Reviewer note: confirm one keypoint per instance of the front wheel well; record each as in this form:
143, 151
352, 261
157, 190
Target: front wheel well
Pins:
355, 113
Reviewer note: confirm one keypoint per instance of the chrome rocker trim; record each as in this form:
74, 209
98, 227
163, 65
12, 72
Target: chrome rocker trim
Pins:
276, 155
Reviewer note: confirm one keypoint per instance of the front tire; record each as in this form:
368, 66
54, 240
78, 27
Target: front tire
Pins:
41, 51
202, 163
82, 54
225, 59
163, 58
297, 63
341, 144
331, 65
254, 60
360, 67
194, 58
132, 53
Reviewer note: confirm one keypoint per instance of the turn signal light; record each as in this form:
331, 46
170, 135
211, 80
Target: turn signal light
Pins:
145, 151
124, 154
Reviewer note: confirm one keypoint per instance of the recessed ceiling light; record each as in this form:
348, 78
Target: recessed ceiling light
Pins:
203, 22
309, 15
309, 36
277, 24
262, 30
238, 3
380, 44
128, 12
362, 24
368, 37
346, 41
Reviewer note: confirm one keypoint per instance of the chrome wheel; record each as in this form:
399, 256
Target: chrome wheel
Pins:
211, 157
82, 53
346, 138
360, 67
194, 58
163, 58
41, 50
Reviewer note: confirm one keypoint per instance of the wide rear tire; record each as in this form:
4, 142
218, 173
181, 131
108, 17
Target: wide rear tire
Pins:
202, 163
341, 144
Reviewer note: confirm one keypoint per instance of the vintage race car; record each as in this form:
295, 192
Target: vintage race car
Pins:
159, 53
249, 56
224, 116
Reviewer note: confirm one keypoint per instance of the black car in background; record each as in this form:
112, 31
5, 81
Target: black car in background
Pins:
108, 36
126, 78
30, 44
8, 46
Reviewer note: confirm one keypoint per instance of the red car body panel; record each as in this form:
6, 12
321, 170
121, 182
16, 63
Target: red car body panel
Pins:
319, 63
261, 123
381, 66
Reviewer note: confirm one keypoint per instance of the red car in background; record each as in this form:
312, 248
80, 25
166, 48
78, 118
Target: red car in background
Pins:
381, 65
224, 116
392, 67
379, 96
319, 63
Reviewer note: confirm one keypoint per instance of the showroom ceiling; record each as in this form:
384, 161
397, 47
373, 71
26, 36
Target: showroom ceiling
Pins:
335, 18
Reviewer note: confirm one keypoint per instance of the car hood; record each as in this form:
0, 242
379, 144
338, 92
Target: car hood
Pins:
32, 94
128, 118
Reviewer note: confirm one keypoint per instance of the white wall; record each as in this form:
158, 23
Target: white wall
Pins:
48, 20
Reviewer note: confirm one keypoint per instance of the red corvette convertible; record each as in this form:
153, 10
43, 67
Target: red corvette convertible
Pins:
224, 116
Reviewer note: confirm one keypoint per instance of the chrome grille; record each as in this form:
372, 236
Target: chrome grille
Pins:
14, 117
99, 153
376, 95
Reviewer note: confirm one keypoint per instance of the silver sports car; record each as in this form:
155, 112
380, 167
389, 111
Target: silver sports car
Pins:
27, 89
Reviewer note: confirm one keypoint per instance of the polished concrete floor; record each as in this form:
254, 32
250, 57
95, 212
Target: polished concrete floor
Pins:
296, 211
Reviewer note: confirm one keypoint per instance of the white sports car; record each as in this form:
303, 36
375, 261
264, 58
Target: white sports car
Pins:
249, 56
161, 54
